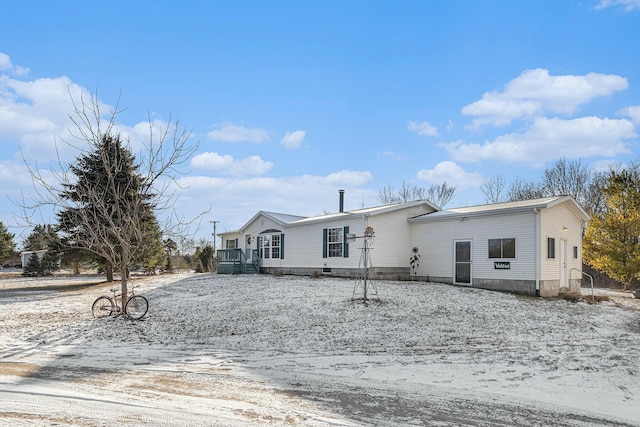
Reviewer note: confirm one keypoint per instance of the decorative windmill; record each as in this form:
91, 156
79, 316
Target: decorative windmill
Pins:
362, 279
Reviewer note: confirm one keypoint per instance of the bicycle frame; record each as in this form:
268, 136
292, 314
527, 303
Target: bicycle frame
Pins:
134, 306
118, 296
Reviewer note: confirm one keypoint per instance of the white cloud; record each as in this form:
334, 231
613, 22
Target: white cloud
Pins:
226, 164
349, 178
535, 92
604, 165
35, 112
235, 133
138, 134
7, 66
452, 174
236, 200
549, 139
422, 128
252, 166
393, 155
293, 139
632, 112
211, 161
15, 176
450, 126
629, 5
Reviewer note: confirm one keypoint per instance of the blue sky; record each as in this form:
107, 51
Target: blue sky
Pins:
291, 101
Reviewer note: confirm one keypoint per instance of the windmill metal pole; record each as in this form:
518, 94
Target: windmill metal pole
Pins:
366, 268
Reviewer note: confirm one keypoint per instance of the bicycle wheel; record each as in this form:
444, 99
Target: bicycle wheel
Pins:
102, 307
136, 307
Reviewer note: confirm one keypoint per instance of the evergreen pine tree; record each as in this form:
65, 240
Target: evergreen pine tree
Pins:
110, 212
7, 245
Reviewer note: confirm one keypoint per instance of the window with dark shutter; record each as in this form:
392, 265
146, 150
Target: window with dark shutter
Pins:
282, 246
324, 242
345, 244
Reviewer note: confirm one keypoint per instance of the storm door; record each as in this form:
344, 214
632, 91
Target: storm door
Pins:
462, 262
247, 247
564, 277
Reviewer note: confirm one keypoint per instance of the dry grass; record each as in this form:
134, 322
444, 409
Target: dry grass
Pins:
585, 298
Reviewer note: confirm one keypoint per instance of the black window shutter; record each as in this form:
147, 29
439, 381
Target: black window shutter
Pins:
282, 246
324, 242
345, 245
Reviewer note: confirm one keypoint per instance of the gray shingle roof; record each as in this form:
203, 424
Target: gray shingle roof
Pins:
520, 205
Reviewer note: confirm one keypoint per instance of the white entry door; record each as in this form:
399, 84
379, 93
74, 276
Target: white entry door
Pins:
564, 276
462, 262
247, 246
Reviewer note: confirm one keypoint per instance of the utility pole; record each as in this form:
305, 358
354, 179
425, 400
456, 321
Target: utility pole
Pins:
214, 234
214, 263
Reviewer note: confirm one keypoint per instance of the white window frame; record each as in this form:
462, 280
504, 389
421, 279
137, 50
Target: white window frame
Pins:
502, 256
268, 246
335, 242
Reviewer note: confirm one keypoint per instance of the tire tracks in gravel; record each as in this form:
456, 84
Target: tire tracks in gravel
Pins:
83, 411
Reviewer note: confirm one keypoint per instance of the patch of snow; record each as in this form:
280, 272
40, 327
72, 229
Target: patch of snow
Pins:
263, 350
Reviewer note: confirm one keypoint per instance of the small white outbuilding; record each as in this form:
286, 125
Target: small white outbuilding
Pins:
530, 247
26, 255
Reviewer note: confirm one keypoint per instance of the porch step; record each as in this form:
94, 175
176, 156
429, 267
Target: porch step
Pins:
251, 269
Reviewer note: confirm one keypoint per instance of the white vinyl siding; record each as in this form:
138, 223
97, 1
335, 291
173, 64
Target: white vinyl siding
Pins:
256, 230
391, 247
554, 221
437, 237
304, 239
305, 245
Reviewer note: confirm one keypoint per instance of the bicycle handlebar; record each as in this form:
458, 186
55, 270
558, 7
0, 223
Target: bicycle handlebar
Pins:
114, 290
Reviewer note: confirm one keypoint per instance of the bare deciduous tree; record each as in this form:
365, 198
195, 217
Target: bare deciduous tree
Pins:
387, 195
111, 211
565, 178
492, 188
440, 195
521, 190
593, 200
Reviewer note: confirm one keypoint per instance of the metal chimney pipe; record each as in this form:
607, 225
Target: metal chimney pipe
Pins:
341, 200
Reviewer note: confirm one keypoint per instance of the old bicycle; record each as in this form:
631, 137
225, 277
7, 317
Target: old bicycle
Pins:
135, 307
